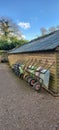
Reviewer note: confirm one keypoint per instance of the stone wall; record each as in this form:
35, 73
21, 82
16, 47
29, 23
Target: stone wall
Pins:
51, 60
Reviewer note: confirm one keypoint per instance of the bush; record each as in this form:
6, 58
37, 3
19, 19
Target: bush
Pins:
5, 45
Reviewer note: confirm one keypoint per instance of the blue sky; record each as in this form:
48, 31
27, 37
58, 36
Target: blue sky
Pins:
31, 15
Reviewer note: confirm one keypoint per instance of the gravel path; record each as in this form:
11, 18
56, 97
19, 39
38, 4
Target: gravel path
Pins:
22, 108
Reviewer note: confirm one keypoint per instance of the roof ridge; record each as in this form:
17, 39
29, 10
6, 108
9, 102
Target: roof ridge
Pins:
43, 43
43, 36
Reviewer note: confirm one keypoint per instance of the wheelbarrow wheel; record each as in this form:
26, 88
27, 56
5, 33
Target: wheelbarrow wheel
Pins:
29, 79
21, 76
25, 75
26, 78
32, 81
37, 86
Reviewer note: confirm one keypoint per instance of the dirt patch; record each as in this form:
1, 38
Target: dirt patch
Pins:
22, 108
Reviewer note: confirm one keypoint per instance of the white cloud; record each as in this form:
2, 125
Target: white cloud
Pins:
23, 36
24, 25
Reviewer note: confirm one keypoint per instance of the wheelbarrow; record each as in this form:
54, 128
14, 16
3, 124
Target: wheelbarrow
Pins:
30, 67
42, 78
22, 68
31, 79
16, 67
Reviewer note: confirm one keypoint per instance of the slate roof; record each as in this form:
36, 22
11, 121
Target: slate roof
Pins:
45, 43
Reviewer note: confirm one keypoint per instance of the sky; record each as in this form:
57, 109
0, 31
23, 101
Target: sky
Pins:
31, 15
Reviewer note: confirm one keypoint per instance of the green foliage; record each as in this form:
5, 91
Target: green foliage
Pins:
21, 42
14, 42
10, 35
1, 52
8, 28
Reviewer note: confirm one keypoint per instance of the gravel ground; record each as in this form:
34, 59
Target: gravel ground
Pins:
22, 108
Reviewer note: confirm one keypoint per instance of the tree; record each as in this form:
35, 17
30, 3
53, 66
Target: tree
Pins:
52, 29
43, 31
57, 27
10, 35
9, 28
13, 42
